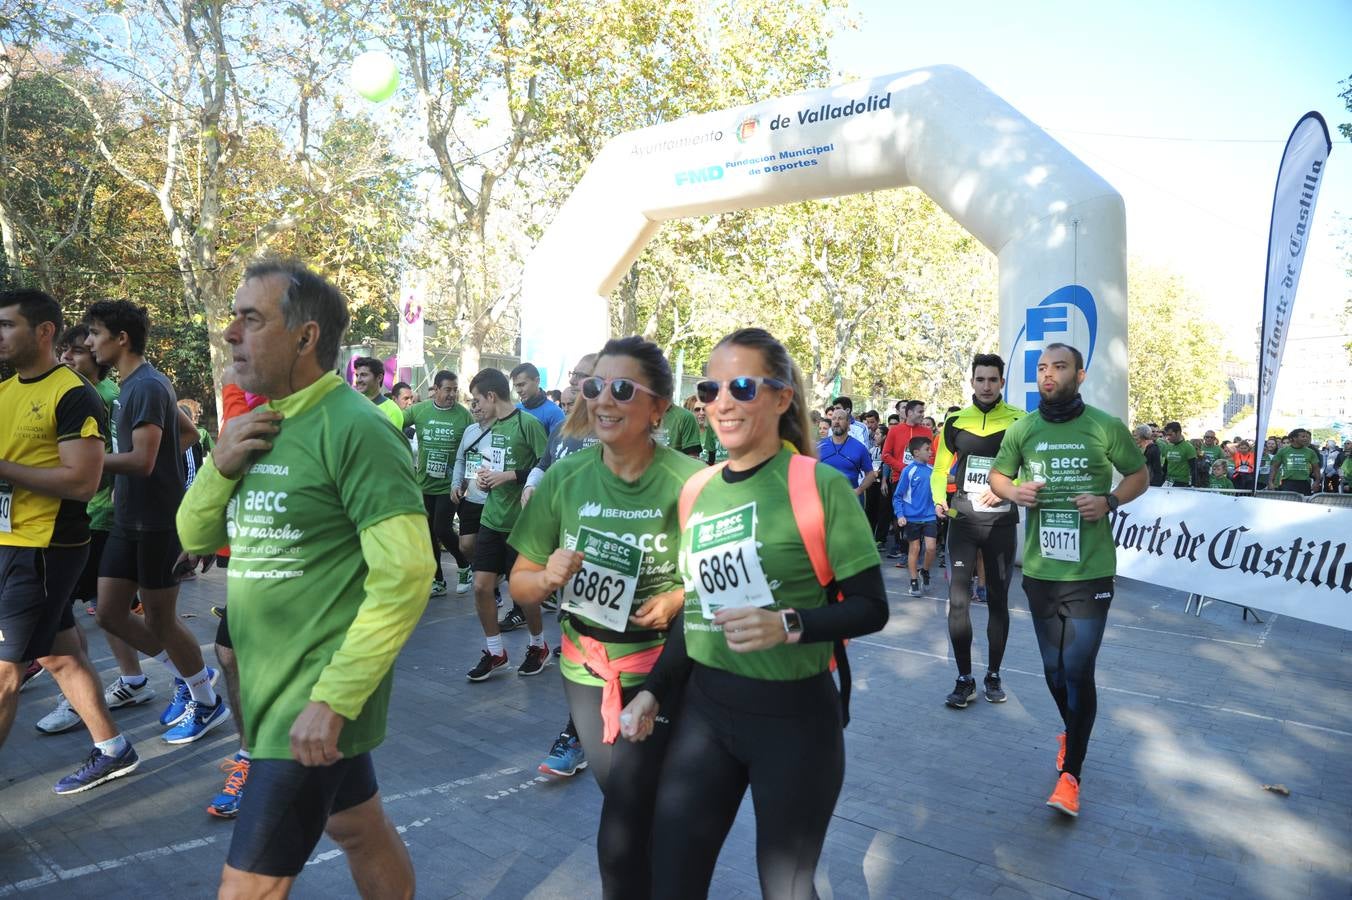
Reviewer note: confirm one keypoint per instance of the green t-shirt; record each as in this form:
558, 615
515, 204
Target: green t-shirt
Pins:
1296, 464
100, 506
1211, 454
1177, 459
439, 433
711, 444
1070, 458
578, 492
749, 521
1220, 481
296, 574
515, 443
679, 430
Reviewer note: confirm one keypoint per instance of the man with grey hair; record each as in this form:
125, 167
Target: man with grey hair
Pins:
1145, 439
329, 572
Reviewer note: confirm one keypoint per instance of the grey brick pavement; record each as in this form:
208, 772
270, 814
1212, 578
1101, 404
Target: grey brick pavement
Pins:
1195, 716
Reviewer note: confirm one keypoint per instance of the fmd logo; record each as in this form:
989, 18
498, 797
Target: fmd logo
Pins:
699, 176
1068, 316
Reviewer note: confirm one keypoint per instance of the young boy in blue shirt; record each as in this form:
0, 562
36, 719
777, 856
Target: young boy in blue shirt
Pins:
913, 504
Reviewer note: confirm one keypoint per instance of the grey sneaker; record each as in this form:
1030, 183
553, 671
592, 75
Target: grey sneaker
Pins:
963, 691
994, 693
120, 694
59, 720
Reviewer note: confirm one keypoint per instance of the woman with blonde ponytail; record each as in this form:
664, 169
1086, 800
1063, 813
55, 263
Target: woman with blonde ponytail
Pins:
753, 644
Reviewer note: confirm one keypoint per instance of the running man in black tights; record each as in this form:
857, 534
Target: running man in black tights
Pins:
979, 523
1065, 452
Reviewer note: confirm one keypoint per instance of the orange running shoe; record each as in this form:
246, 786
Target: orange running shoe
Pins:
1061, 754
1066, 797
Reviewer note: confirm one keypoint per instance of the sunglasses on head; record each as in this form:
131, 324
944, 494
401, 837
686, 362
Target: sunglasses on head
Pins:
742, 388
622, 389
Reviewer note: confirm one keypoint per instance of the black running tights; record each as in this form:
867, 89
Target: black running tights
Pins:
996, 545
1069, 619
440, 510
627, 775
791, 754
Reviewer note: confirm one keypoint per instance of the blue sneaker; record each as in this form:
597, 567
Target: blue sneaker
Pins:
225, 805
98, 769
197, 720
565, 757
179, 702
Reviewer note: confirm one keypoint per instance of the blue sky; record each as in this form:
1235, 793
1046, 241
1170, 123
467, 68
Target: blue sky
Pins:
1242, 71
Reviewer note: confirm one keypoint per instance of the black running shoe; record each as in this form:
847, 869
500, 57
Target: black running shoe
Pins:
963, 691
488, 664
924, 576
994, 693
536, 660
514, 619
915, 587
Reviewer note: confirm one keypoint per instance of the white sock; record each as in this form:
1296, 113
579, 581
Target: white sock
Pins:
244, 754
114, 746
494, 644
133, 680
163, 659
537, 640
200, 686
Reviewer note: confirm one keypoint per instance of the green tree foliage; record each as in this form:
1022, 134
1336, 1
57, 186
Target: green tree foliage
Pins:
1173, 350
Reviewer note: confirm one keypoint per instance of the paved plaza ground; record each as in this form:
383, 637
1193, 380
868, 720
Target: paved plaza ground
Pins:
1196, 715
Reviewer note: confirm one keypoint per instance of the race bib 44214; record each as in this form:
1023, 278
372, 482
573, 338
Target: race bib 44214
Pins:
725, 562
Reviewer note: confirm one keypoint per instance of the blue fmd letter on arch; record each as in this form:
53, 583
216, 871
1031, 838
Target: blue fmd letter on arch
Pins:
1067, 315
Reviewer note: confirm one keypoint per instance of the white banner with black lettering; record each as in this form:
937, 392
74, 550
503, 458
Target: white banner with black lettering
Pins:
1289, 558
1298, 179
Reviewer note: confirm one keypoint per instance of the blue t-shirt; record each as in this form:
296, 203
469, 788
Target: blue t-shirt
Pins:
549, 413
913, 498
850, 459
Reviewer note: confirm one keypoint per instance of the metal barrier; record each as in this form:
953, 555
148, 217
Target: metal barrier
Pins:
1289, 496
1332, 499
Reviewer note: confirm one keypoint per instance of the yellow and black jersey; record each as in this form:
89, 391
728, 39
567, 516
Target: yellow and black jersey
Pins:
964, 453
38, 414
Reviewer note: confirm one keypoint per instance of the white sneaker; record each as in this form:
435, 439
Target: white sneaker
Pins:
120, 694
59, 720
464, 581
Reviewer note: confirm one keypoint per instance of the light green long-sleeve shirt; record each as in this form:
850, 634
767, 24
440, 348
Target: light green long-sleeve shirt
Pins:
330, 565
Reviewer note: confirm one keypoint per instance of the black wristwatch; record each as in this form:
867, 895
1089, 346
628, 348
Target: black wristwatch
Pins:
1113, 502
793, 623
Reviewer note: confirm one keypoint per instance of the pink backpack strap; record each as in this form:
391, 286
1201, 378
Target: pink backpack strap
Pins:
690, 491
809, 515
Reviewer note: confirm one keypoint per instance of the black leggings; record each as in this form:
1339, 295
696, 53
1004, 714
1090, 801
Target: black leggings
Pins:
784, 739
996, 545
627, 775
1069, 618
440, 509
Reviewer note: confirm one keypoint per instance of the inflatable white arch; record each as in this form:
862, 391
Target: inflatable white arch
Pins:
1057, 227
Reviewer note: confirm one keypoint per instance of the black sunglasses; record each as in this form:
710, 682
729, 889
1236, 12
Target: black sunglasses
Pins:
622, 389
742, 388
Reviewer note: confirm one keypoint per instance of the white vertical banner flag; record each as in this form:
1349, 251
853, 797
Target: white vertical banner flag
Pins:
1298, 180
412, 301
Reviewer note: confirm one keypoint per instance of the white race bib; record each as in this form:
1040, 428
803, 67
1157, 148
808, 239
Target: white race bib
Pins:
603, 589
6, 507
474, 461
1059, 534
977, 481
725, 563
436, 463
495, 456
